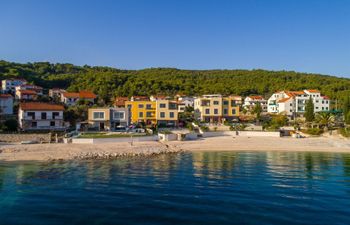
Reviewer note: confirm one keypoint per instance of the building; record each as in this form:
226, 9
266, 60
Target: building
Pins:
31, 87
251, 101
40, 116
26, 95
159, 97
6, 104
167, 113
139, 98
71, 98
9, 85
216, 108
120, 101
109, 119
142, 111
294, 102
56, 93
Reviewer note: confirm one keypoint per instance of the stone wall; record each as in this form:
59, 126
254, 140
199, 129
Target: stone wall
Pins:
25, 137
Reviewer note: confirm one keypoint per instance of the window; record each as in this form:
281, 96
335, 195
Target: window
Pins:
326, 108
119, 115
34, 124
225, 102
141, 114
216, 111
322, 102
316, 101
216, 102
172, 106
162, 114
291, 104
322, 108
31, 114
172, 115
140, 106
148, 106
162, 105
99, 115
52, 124
233, 111
326, 102
207, 111
55, 114
316, 107
148, 114
225, 111
43, 115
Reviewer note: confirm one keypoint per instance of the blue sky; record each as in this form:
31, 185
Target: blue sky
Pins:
305, 36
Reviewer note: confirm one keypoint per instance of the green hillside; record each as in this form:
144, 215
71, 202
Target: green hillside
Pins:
108, 82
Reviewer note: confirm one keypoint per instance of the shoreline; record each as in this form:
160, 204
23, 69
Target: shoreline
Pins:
53, 152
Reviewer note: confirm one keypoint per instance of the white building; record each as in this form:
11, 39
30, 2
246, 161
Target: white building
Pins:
6, 104
71, 98
290, 102
9, 85
251, 101
40, 116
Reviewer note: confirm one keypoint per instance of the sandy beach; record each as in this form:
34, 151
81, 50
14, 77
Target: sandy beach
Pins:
44, 152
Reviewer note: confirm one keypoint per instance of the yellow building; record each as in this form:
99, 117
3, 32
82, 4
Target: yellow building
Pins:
167, 113
142, 111
216, 108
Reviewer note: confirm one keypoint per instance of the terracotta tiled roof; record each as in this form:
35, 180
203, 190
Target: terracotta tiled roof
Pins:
313, 91
36, 106
283, 100
120, 101
294, 93
71, 94
256, 97
86, 94
5, 96
28, 92
140, 98
326, 97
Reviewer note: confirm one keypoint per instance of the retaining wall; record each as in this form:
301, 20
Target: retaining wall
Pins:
113, 140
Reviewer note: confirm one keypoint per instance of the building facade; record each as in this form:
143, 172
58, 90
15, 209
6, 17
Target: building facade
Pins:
6, 104
9, 85
251, 101
40, 116
142, 111
167, 113
109, 119
216, 108
294, 102
71, 98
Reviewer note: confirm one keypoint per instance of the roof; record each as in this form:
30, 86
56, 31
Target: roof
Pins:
40, 106
326, 97
70, 94
5, 96
313, 91
294, 93
120, 101
86, 94
283, 100
140, 98
28, 92
256, 97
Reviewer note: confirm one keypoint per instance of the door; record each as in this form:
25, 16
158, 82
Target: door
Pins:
102, 126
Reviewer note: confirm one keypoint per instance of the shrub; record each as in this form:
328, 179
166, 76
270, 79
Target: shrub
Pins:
204, 128
345, 132
313, 131
10, 125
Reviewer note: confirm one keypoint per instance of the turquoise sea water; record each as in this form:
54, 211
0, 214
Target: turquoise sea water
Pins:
189, 188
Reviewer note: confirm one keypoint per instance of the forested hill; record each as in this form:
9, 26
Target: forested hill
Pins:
108, 82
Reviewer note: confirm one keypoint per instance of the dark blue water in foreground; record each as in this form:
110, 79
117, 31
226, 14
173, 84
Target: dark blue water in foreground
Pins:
199, 188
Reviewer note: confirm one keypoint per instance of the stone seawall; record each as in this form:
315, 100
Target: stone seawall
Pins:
25, 137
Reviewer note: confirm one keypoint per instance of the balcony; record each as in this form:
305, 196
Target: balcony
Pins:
47, 118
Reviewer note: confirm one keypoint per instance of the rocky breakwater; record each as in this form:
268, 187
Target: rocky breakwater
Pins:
137, 151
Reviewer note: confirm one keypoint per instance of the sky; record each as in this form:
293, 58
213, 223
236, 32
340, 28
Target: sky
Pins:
307, 36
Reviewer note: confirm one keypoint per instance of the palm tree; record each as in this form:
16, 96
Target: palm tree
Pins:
325, 119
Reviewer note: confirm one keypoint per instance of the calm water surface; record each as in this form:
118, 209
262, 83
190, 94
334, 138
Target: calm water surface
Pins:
190, 188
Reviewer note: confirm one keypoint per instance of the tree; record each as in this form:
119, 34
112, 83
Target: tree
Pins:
346, 110
257, 111
309, 110
10, 125
325, 119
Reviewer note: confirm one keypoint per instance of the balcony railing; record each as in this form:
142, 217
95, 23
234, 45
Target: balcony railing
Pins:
47, 118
